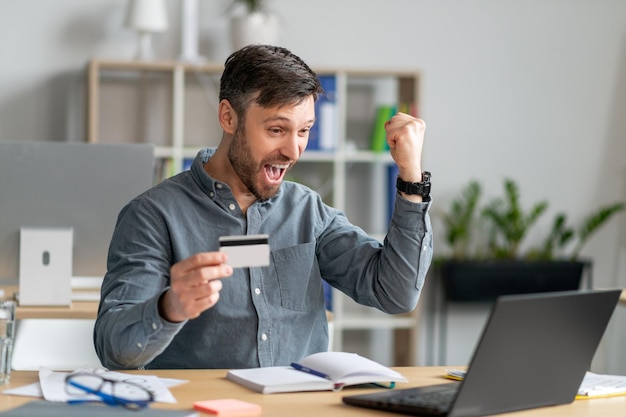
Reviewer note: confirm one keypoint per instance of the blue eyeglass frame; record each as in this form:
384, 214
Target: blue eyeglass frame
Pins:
111, 400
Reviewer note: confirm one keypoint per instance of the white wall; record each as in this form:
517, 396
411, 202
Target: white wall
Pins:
529, 89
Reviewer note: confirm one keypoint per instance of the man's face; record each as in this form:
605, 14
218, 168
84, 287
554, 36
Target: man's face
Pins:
269, 144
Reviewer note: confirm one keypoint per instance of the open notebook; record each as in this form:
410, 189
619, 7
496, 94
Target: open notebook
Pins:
317, 372
534, 352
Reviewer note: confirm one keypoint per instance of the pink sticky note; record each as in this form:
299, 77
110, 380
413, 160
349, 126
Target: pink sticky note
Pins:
227, 407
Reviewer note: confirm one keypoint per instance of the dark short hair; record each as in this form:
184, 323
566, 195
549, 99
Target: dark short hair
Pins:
271, 75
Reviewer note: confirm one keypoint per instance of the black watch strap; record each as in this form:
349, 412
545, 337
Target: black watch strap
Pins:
416, 188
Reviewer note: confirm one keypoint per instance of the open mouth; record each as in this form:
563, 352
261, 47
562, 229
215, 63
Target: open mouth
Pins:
275, 172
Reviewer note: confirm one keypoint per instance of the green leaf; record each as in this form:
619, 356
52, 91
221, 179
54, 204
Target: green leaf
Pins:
459, 221
593, 222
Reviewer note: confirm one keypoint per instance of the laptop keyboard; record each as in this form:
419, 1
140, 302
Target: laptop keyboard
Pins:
439, 400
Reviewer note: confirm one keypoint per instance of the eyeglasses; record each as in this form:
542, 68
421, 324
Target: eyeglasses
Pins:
124, 393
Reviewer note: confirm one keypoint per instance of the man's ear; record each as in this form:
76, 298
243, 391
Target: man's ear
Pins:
227, 117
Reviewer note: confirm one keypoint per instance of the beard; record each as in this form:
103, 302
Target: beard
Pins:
248, 168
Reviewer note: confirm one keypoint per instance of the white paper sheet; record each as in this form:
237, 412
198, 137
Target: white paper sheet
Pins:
52, 387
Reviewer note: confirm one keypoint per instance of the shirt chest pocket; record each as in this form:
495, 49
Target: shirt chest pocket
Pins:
295, 275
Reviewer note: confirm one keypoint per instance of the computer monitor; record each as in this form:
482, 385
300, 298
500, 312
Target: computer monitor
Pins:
62, 184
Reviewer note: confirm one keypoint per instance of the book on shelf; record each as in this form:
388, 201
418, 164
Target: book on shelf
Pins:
384, 113
323, 134
379, 134
392, 175
408, 108
163, 169
328, 296
324, 371
187, 163
593, 385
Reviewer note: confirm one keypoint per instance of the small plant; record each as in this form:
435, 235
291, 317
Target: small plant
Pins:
559, 236
504, 224
460, 220
592, 223
509, 223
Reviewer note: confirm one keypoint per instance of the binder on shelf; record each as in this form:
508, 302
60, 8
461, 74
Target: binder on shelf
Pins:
328, 296
322, 136
408, 108
162, 169
379, 135
392, 174
187, 163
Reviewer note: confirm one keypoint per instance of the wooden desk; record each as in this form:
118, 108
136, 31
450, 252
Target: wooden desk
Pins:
77, 310
211, 384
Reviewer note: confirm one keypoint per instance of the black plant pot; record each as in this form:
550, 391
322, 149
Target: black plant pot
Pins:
486, 280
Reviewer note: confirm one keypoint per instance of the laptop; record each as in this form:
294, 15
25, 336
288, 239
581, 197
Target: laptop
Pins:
534, 352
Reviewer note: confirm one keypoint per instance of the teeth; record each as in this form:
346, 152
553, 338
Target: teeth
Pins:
275, 171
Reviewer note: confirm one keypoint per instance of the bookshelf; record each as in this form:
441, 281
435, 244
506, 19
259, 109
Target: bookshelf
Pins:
173, 106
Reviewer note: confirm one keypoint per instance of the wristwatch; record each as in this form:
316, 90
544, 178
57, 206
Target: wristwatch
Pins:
416, 188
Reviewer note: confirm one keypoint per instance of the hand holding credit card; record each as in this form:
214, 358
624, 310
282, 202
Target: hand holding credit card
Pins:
246, 251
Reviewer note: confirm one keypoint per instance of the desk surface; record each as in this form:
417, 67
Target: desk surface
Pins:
211, 384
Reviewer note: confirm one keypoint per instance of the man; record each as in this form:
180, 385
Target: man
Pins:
170, 298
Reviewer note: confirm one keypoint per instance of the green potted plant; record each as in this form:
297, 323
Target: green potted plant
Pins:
486, 258
252, 22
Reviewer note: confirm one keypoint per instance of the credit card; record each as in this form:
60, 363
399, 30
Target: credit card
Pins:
245, 251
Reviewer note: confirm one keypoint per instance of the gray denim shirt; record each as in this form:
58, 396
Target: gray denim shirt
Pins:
266, 316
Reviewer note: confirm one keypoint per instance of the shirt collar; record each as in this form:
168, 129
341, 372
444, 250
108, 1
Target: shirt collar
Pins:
208, 183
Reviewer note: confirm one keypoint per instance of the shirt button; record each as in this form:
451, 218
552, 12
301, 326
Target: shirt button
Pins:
231, 206
154, 326
257, 291
220, 186
211, 194
264, 337
139, 345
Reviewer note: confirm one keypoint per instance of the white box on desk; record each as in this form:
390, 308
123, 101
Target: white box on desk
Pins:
45, 266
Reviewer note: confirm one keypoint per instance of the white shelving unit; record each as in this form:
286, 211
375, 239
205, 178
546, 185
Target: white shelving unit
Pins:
173, 105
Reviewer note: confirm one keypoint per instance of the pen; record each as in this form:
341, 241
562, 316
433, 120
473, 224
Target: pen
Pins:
301, 368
